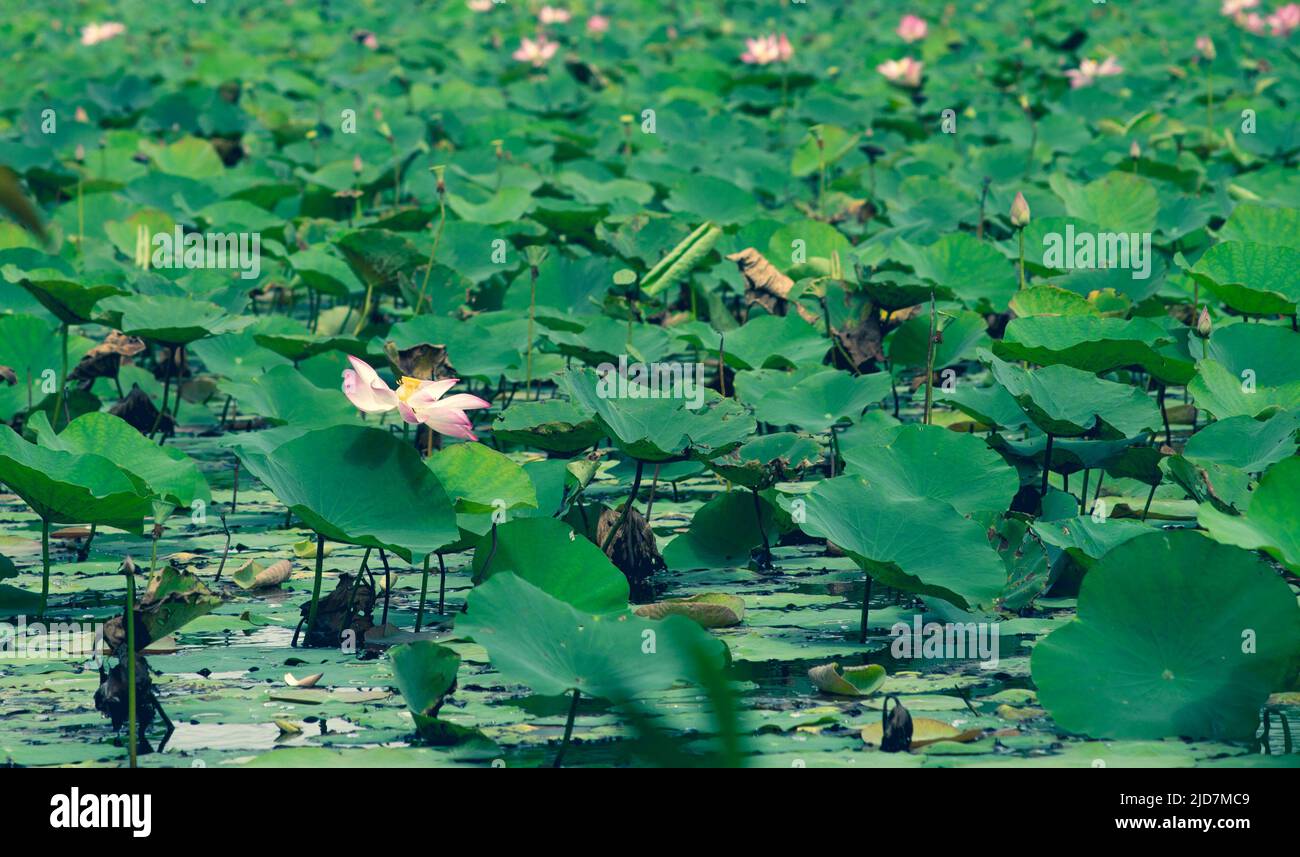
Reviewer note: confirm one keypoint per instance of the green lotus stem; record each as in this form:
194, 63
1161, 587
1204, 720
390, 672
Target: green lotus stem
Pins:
1150, 496
153, 551
365, 310
63, 381
45, 567
1022, 258
132, 735
437, 238
866, 610
1047, 464
442, 586
1209, 106
532, 313
568, 730
167, 390
424, 591
388, 582
81, 220
929, 356
627, 508
315, 586
758, 517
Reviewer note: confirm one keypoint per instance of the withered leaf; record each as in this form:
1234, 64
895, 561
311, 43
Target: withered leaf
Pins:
766, 286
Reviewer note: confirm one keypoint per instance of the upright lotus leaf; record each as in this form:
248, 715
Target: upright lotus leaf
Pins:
70, 488
284, 396
1251, 278
70, 302
1262, 224
681, 259
1176, 636
763, 342
1085, 538
961, 332
1217, 390
554, 647
1024, 555
765, 460
991, 406
812, 400
1095, 344
931, 462
425, 673
360, 486
1224, 486
1051, 301
31, 347
603, 339
168, 319
1116, 202
1271, 524
1249, 444
1069, 455
1267, 353
303, 346
917, 544
652, 429
1068, 402
973, 270
378, 256
480, 480
554, 425
568, 567
724, 533
326, 273
161, 472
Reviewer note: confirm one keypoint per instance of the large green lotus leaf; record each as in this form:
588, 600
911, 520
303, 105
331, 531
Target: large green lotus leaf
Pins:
478, 479
189, 157
283, 396
167, 319
303, 346
1116, 202
1225, 486
962, 333
547, 553
1086, 538
1249, 444
31, 347
712, 199
604, 339
818, 241
326, 273
916, 544
425, 673
237, 356
360, 486
1051, 301
821, 148
1217, 390
555, 425
1095, 344
765, 460
1176, 636
66, 488
508, 205
932, 462
71, 303
723, 534
972, 270
763, 342
159, 471
553, 647
812, 400
1270, 352
1271, 524
1251, 278
655, 429
378, 256
1263, 224
1069, 402
1069, 455
992, 406
482, 350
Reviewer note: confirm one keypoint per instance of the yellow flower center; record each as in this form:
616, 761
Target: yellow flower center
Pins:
408, 388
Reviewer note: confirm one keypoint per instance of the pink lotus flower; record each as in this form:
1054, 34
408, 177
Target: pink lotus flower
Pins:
553, 15
767, 49
912, 29
480, 5
93, 34
1232, 7
597, 24
1285, 20
1205, 45
1089, 70
536, 52
1252, 23
417, 401
905, 72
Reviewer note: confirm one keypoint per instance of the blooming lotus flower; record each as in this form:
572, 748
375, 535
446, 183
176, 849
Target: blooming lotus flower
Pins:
93, 34
912, 28
905, 72
417, 401
1089, 70
536, 52
767, 49
1232, 7
553, 15
1284, 20
597, 24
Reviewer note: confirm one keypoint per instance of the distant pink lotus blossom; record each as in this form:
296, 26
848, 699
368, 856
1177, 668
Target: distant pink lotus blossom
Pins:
912, 28
538, 52
1285, 20
554, 15
1252, 23
1089, 70
1205, 45
597, 24
905, 72
480, 5
1232, 7
767, 49
93, 34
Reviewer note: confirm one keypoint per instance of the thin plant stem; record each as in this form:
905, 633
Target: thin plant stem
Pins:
45, 567
133, 736
424, 592
315, 586
568, 730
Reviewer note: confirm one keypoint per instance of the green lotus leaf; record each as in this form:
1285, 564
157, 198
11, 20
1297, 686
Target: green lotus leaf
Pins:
167, 319
478, 479
555, 425
765, 460
359, 486
723, 534
1271, 524
172, 600
554, 647
1095, 344
847, 681
973, 270
1217, 390
1251, 278
1116, 202
326, 273
71, 302
1263, 224
1176, 636
570, 568
813, 400
1069, 402
425, 673
1246, 443
962, 333
284, 396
